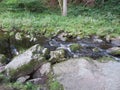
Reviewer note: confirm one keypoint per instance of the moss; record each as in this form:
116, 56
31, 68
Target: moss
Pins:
20, 86
75, 47
25, 69
53, 84
3, 59
105, 59
3, 79
57, 56
116, 52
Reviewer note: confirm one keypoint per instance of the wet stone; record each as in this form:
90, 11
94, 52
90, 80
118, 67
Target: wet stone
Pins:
22, 79
57, 56
116, 41
115, 51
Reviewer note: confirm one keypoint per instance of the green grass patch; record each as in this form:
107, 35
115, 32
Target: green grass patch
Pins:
81, 20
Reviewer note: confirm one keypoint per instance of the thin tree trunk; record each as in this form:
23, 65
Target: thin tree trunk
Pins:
64, 13
60, 4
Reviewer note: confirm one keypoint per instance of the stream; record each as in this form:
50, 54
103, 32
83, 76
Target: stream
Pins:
92, 46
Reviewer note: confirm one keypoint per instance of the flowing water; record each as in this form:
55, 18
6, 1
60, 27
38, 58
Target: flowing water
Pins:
90, 47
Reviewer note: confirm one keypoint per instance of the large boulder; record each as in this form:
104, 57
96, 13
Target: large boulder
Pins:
26, 62
83, 74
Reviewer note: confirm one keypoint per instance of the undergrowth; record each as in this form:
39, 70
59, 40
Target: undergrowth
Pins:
100, 20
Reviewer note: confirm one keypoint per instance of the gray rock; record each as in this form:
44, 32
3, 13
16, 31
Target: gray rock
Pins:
25, 63
82, 74
116, 41
43, 70
41, 80
57, 56
22, 79
62, 36
18, 36
114, 51
46, 52
96, 40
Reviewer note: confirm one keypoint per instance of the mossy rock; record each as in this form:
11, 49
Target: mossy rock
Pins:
117, 52
105, 59
114, 51
25, 69
57, 56
3, 59
25, 63
75, 47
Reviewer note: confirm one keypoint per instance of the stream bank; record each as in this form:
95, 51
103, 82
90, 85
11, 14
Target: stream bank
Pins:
37, 63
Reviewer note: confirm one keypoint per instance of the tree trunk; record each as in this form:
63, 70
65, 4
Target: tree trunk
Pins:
64, 13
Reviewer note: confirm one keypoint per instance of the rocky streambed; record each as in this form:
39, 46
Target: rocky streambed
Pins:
36, 59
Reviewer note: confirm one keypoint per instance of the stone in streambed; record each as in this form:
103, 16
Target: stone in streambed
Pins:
114, 51
116, 41
57, 56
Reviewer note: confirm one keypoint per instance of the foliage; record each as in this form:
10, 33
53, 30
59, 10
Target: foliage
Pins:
29, 5
56, 86
16, 85
20, 86
4, 79
81, 20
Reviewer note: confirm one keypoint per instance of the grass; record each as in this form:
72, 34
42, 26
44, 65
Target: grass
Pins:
80, 20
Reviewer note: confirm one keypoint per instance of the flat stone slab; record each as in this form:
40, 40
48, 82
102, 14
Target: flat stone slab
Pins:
82, 74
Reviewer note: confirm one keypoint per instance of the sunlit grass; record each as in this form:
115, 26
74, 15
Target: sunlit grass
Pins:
83, 21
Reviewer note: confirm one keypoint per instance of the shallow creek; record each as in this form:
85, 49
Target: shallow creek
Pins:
92, 46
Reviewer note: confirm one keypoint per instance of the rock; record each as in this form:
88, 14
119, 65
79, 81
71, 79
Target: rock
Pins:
14, 51
46, 53
65, 36
96, 40
26, 62
5, 87
114, 51
75, 47
83, 74
116, 41
62, 36
43, 70
18, 36
41, 80
57, 56
22, 79
2, 69
3, 59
